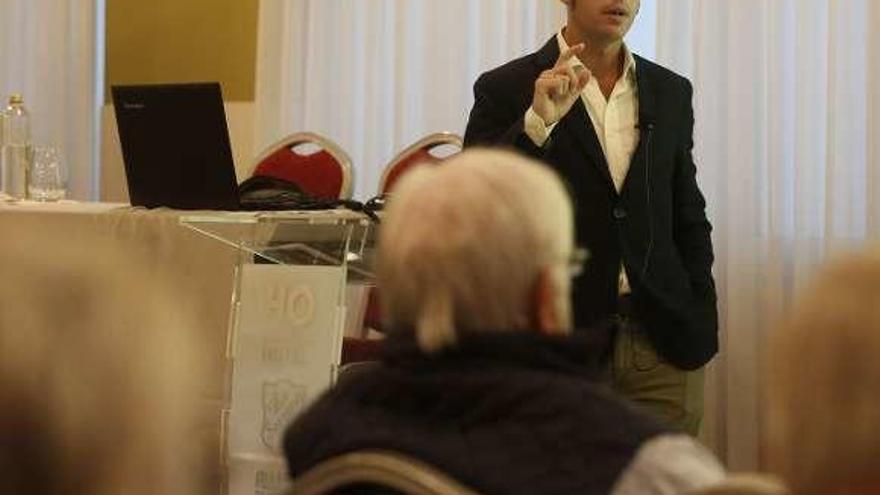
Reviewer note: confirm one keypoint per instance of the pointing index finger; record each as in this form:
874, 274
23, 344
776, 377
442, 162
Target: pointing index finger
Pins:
567, 55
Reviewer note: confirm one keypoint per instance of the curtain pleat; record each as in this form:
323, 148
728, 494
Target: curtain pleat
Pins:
786, 99
49, 54
376, 76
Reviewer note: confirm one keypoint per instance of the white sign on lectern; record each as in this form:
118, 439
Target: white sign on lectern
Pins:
287, 319
286, 346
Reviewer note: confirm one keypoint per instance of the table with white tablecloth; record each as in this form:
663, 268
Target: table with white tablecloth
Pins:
200, 258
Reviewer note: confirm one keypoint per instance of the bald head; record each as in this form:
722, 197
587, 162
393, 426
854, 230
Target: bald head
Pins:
479, 243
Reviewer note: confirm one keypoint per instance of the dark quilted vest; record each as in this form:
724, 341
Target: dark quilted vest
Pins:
504, 413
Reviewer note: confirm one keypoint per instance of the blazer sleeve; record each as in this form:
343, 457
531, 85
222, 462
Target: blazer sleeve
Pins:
692, 230
495, 121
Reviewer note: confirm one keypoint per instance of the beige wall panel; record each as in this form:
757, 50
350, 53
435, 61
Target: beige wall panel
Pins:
184, 41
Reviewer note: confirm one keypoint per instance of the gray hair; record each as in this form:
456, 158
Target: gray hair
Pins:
463, 245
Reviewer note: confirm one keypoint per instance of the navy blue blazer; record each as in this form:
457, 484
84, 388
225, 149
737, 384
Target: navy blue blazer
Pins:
656, 226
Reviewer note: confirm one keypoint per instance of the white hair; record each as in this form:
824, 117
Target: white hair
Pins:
463, 244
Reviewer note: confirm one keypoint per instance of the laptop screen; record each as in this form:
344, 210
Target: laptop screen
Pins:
176, 146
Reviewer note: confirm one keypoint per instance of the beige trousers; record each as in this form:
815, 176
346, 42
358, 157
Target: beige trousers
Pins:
642, 376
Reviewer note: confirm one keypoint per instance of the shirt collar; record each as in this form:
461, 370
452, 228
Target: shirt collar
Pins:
629, 61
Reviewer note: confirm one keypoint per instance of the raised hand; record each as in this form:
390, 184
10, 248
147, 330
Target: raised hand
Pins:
557, 89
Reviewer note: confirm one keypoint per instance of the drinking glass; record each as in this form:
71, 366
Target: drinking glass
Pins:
46, 177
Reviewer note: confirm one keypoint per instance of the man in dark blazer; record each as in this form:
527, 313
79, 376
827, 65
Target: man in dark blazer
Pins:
619, 130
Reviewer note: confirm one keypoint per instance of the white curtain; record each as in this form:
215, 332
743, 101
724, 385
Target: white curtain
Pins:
787, 96
49, 54
377, 75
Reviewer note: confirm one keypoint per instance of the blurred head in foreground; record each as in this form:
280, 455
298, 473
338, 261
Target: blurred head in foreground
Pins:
823, 398
94, 375
482, 243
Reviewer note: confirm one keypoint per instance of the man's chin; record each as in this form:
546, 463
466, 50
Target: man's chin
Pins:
608, 36
613, 34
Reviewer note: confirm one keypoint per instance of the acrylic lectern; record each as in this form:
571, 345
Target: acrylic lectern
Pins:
301, 277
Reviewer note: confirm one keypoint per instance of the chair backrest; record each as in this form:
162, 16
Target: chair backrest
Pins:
373, 313
326, 173
351, 370
355, 350
378, 469
418, 152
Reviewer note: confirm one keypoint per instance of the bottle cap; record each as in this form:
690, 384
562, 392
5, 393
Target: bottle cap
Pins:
15, 99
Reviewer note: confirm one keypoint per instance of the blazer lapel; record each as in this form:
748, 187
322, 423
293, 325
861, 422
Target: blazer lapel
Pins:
647, 94
579, 125
647, 122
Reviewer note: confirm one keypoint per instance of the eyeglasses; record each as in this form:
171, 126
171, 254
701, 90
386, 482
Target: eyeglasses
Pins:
577, 260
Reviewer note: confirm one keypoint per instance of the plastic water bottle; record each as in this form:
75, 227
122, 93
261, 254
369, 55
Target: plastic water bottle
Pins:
16, 151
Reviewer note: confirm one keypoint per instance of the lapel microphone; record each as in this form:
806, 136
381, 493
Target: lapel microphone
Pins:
647, 130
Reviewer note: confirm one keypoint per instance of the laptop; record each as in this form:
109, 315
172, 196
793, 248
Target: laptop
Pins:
175, 145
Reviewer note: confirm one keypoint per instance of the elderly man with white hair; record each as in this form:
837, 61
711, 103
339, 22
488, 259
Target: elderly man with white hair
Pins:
482, 378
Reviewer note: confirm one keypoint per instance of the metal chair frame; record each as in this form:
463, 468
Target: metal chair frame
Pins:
382, 468
428, 143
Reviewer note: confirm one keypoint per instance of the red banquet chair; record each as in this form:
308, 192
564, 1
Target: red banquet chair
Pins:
325, 173
422, 151
367, 346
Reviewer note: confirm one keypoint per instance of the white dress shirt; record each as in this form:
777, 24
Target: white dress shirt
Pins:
615, 120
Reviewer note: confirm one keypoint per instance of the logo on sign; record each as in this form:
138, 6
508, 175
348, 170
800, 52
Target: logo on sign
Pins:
282, 400
294, 305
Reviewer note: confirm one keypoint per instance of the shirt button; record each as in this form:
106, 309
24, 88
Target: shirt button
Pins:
619, 213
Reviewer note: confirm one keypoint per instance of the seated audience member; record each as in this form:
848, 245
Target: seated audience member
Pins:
482, 378
95, 377
823, 397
